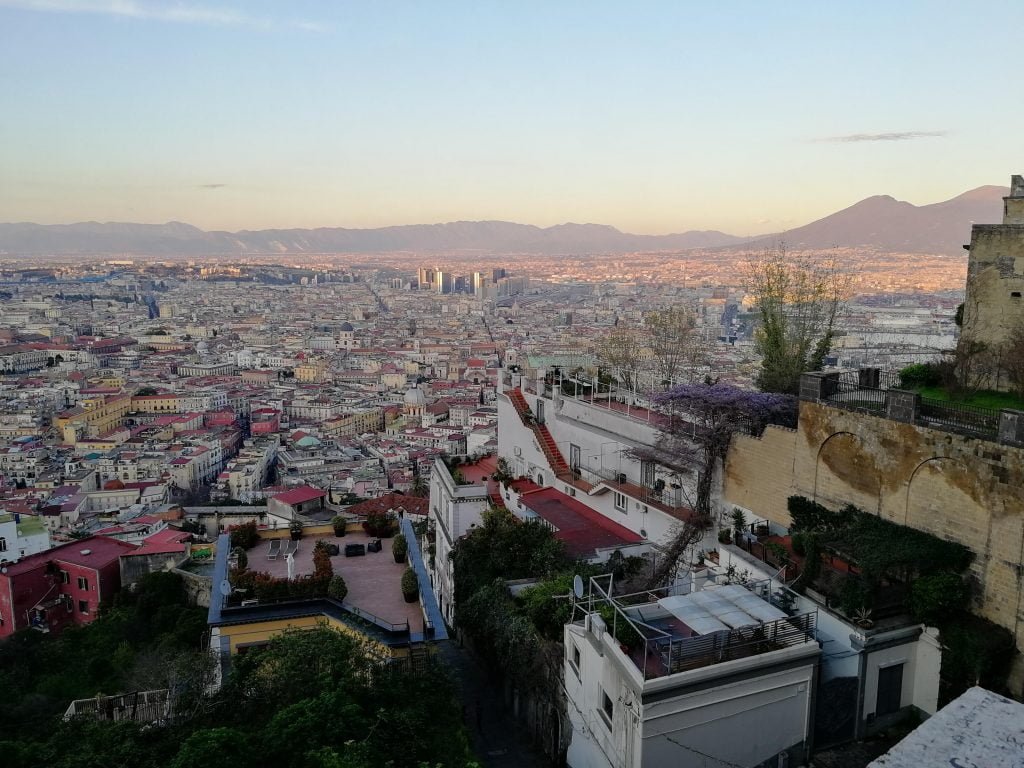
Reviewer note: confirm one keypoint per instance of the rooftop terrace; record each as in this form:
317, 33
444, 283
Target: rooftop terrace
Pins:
665, 634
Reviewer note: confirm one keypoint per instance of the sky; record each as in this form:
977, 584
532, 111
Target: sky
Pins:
654, 117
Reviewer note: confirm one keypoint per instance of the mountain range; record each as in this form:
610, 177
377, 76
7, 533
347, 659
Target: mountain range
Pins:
880, 223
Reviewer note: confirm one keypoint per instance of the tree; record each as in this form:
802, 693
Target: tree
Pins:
798, 298
676, 350
704, 418
622, 351
232, 749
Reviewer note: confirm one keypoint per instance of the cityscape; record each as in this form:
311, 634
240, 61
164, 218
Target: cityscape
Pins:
730, 477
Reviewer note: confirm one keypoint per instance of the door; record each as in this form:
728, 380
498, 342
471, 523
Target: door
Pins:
647, 473
890, 690
540, 411
574, 459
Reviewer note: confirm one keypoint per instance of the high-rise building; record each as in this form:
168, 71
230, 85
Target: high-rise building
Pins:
426, 277
443, 281
481, 285
497, 274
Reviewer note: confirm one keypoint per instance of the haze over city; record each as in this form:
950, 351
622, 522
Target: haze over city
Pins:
511, 384
670, 116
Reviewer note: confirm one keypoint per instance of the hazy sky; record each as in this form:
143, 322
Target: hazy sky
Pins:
651, 116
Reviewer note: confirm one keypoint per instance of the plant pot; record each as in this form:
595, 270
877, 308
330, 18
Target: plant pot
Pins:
296, 535
398, 558
411, 597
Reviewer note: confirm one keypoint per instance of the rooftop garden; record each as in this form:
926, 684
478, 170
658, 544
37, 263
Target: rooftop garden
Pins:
869, 568
938, 381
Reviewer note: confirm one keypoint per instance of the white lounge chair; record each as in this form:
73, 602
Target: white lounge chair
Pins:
275, 549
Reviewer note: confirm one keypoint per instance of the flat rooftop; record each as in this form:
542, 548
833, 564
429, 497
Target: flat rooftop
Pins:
373, 579
978, 728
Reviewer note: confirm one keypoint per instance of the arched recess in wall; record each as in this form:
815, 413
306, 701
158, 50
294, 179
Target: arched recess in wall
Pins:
857, 471
910, 483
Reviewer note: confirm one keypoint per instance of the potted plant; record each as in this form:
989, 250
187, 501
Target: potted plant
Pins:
399, 548
295, 529
725, 536
410, 586
337, 588
338, 523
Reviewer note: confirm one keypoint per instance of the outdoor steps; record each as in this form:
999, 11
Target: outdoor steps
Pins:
541, 432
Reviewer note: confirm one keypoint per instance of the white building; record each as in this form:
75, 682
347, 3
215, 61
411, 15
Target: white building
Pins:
454, 510
718, 677
22, 535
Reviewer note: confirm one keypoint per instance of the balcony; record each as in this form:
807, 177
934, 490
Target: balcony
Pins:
665, 634
661, 496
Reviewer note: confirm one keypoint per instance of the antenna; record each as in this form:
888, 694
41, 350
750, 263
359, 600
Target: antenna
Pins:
225, 588
577, 586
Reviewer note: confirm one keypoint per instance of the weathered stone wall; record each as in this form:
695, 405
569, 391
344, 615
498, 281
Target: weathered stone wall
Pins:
994, 305
962, 489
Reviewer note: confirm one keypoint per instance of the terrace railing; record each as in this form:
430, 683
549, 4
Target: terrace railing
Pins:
879, 393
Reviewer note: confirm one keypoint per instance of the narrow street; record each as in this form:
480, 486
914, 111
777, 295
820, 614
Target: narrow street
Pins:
498, 740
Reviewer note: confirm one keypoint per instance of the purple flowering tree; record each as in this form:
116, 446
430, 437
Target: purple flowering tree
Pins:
703, 420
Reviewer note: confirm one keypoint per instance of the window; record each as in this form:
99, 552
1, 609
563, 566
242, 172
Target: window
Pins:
1014, 294
575, 659
607, 709
890, 690
83, 606
83, 583
65, 577
620, 501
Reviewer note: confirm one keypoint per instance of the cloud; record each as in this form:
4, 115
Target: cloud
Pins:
212, 186
158, 11
852, 138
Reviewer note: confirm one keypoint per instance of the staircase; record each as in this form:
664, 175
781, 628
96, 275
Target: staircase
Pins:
542, 433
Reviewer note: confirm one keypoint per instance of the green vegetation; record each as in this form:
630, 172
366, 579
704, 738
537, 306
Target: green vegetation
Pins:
982, 398
399, 548
245, 535
926, 570
310, 698
410, 585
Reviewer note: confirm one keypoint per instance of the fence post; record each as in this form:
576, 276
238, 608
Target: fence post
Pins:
1011, 427
901, 405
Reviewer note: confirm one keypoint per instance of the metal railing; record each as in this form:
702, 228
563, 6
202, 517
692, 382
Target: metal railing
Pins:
667, 496
682, 654
856, 391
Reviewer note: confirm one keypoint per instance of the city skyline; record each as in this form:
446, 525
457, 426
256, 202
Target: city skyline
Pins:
672, 118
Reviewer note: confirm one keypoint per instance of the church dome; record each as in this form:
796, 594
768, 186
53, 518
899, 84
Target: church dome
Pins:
415, 396
113, 485
347, 327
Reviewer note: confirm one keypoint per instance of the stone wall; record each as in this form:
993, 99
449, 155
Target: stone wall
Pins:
962, 489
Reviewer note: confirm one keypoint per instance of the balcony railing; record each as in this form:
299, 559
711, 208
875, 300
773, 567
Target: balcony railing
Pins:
680, 655
664, 496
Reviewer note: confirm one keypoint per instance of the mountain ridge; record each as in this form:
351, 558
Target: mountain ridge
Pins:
879, 222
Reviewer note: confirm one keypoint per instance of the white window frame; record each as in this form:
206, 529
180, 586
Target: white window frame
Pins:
621, 502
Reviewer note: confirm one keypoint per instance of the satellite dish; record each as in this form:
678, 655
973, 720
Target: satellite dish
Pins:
225, 588
577, 586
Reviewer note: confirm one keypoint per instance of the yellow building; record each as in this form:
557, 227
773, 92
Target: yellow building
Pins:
94, 415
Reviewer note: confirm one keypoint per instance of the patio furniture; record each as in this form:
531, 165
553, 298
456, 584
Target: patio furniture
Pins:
354, 550
275, 549
290, 548
374, 546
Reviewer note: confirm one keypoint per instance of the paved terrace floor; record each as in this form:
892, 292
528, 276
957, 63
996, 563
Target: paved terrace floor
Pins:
374, 579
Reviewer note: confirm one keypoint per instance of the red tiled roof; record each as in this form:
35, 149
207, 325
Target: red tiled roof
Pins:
411, 505
102, 550
581, 529
299, 495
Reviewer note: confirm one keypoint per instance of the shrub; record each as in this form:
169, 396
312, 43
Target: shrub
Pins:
295, 529
337, 588
739, 521
410, 586
245, 535
322, 567
777, 551
381, 524
937, 595
399, 548
799, 543
338, 523
921, 375
975, 652
725, 536
243, 559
